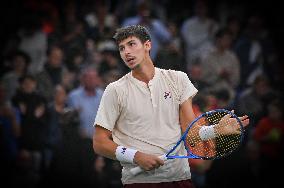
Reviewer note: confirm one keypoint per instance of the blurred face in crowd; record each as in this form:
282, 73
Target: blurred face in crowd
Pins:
55, 57
261, 86
133, 52
90, 79
28, 85
196, 71
201, 8
19, 63
225, 41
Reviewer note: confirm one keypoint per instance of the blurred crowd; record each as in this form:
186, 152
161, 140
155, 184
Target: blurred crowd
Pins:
57, 60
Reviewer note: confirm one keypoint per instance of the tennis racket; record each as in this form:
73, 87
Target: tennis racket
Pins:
227, 136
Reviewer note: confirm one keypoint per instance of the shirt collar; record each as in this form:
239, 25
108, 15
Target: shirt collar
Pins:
154, 79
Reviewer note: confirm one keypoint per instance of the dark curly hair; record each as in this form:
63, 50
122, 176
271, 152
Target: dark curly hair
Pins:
132, 31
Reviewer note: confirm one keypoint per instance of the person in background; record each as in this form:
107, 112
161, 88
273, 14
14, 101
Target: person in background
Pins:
53, 73
159, 33
86, 99
20, 63
33, 132
198, 32
269, 136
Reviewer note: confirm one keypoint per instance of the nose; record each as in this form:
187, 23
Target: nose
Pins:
126, 51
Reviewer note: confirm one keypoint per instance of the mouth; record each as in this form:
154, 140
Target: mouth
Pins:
130, 59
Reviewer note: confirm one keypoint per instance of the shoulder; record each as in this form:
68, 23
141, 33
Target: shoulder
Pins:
174, 74
76, 92
118, 85
189, 20
120, 82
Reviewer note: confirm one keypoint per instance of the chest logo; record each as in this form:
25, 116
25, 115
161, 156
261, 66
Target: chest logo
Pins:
167, 94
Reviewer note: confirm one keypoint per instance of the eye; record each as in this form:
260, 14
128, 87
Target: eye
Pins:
132, 43
121, 48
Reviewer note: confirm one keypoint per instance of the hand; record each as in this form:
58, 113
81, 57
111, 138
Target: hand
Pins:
147, 161
229, 126
39, 111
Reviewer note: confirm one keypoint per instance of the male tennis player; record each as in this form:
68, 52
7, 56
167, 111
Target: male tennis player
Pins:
143, 114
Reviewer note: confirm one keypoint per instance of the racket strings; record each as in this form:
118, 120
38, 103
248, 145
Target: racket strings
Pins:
216, 147
226, 143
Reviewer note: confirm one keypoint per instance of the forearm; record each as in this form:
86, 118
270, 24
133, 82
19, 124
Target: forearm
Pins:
104, 146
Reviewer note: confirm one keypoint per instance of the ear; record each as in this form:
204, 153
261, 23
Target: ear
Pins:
148, 45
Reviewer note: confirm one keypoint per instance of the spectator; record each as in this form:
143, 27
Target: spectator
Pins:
54, 73
269, 135
86, 99
33, 41
198, 32
221, 64
34, 129
253, 100
20, 62
100, 22
158, 31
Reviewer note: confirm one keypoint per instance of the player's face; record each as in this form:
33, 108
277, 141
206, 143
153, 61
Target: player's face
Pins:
133, 52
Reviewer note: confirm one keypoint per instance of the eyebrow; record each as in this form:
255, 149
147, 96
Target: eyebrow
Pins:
127, 42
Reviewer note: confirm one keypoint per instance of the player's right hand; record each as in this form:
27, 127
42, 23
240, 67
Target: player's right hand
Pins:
147, 161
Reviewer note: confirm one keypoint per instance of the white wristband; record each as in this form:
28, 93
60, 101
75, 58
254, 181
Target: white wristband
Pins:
207, 132
124, 154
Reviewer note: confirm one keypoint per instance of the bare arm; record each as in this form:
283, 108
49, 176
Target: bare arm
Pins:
103, 143
105, 146
186, 117
186, 114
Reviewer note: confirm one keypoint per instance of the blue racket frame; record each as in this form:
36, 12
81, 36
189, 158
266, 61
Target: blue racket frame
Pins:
190, 154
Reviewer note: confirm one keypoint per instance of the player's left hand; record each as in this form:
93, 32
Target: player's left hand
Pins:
229, 125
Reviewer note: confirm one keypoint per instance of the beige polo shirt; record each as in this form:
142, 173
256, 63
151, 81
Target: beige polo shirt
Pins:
146, 118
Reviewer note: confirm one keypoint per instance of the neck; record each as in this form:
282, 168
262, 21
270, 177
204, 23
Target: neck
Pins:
59, 106
145, 72
90, 91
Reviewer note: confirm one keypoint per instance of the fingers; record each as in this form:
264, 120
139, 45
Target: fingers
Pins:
245, 122
154, 165
148, 162
160, 162
227, 116
243, 117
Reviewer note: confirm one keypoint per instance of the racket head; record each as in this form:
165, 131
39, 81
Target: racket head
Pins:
214, 148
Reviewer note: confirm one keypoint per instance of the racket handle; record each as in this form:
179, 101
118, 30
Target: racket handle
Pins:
138, 169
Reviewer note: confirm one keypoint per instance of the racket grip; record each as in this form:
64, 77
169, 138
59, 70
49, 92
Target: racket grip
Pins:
138, 169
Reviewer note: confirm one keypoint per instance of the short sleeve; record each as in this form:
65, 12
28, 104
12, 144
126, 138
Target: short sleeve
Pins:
186, 88
108, 111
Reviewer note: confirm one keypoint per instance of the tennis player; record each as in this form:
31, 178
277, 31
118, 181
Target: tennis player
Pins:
143, 114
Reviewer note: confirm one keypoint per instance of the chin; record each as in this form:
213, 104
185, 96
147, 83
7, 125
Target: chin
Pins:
134, 67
